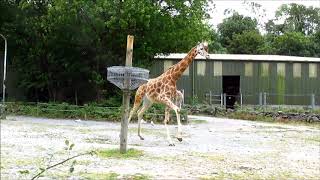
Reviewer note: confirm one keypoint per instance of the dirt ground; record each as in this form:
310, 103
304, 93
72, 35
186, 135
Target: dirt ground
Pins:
212, 148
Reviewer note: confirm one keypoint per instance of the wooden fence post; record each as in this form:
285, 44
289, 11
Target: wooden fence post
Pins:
126, 98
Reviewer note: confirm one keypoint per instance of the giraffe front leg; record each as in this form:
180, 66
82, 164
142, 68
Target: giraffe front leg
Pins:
166, 120
179, 133
176, 109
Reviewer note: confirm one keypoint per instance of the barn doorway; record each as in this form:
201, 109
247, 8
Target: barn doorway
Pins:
231, 87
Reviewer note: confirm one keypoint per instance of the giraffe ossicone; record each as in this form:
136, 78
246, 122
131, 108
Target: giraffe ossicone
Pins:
163, 90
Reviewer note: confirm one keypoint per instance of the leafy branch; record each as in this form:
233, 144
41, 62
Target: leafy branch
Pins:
68, 148
57, 164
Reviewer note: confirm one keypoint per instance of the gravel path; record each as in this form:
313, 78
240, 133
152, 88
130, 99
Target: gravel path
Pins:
213, 148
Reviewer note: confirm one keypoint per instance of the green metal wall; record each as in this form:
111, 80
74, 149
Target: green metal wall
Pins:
278, 88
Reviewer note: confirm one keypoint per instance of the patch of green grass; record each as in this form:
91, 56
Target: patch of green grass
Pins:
98, 140
155, 132
313, 139
85, 130
199, 121
254, 175
114, 176
101, 176
84, 162
23, 162
115, 153
211, 157
138, 177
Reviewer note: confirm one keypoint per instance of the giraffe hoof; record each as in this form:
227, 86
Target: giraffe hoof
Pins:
171, 144
179, 139
141, 138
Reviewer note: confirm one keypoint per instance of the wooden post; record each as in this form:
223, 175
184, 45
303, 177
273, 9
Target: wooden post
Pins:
126, 98
129, 50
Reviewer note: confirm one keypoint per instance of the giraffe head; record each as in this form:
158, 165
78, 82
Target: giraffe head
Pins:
202, 49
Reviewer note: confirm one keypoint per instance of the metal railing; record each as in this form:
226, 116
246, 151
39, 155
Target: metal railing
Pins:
262, 99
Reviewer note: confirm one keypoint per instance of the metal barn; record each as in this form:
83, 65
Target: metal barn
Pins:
247, 79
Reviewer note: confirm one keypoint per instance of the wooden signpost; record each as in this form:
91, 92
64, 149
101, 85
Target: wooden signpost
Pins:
126, 98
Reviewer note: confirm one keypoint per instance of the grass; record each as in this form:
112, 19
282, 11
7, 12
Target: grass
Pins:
252, 117
198, 121
155, 132
138, 177
85, 131
115, 153
313, 139
101, 176
114, 176
254, 175
211, 157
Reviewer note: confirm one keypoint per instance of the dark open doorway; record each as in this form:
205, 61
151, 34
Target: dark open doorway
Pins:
231, 87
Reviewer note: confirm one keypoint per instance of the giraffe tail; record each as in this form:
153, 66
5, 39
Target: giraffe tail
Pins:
137, 100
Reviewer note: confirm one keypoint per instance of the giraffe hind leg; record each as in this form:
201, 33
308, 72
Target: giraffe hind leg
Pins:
146, 105
137, 101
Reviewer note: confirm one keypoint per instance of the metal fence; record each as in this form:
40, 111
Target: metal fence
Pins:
262, 99
64, 110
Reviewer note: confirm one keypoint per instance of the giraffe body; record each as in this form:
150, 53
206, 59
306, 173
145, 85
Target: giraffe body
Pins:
163, 89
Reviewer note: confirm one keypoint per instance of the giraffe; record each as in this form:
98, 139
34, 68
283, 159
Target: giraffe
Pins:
163, 89
178, 102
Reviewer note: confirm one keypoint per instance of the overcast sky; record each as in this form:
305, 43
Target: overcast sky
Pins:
270, 7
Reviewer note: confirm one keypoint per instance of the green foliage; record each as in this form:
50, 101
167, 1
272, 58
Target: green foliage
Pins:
296, 18
49, 165
59, 49
236, 24
249, 42
115, 153
89, 111
24, 171
66, 45
64, 110
294, 44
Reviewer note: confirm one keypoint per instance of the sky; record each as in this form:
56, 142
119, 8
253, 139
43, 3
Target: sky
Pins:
270, 6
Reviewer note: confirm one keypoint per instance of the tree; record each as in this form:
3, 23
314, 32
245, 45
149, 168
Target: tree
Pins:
236, 24
61, 48
215, 46
315, 38
249, 42
295, 18
293, 44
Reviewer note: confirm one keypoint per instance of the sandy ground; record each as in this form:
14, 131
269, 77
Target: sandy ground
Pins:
212, 148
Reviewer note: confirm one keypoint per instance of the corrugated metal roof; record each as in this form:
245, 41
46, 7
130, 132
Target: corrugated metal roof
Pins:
242, 57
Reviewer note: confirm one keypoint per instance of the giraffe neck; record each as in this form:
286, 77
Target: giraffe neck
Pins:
177, 70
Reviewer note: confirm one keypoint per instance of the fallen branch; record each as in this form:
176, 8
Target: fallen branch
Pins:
57, 164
